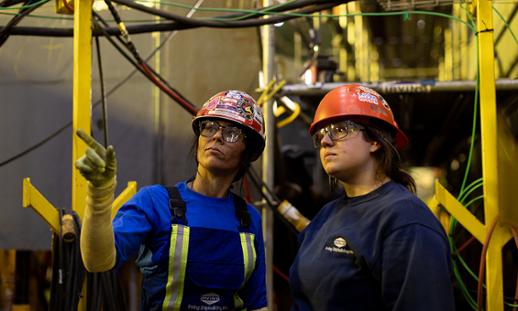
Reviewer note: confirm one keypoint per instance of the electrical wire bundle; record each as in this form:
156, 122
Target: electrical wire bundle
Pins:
28, 7
104, 290
67, 266
466, 198
276, 14
154, 77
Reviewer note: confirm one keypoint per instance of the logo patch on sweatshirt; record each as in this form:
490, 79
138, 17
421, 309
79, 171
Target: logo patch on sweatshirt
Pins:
338, 245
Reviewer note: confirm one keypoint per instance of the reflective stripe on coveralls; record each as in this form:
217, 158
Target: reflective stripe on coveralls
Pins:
177, 264
249, 257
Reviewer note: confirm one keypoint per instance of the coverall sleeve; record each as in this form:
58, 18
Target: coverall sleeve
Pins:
132, 225
415, 270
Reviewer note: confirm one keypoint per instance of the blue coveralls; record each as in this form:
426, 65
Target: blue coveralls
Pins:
213, 263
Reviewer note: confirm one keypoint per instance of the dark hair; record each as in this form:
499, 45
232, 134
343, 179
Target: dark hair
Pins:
387, 156
248, 156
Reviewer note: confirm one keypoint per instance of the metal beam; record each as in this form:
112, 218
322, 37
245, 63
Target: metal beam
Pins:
268, 47
488, 131
82, 95
401, 87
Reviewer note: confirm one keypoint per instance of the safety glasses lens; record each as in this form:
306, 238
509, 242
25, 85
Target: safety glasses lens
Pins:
230, 134
336, 131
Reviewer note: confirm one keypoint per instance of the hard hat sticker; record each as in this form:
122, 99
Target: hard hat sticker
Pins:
385, 104
367, 97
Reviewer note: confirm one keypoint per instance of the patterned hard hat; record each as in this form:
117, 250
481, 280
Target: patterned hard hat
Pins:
239, 107
354, 100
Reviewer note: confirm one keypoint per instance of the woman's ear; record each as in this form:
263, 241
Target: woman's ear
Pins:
375, 146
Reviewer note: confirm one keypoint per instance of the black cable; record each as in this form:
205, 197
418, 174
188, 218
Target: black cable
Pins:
162, 27
148, 71
125, 39
104, 289
103, 96
268, 195
8, 3
67, 269
171, 92
5, 31
193, 23
35, 146
262, 11
220, 22
67, 125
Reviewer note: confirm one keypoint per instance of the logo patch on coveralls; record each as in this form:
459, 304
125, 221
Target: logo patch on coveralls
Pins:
338, 245
210, 298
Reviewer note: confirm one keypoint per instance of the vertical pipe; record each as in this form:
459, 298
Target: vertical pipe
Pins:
81, 102
494, 269
82, 95
268, 47
158, 130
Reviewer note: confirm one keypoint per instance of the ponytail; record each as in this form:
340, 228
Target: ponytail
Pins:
388, 157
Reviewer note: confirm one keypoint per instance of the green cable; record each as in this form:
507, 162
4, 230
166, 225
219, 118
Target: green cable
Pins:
474, 200
464, 191
465, 292
40, 16
28, 6
402, 13
505, 23
252, 12
468, 269
470, 17
474, 127
467, 192
226, 10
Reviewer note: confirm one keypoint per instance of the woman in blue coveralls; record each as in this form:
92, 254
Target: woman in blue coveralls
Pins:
198, 245
377, 247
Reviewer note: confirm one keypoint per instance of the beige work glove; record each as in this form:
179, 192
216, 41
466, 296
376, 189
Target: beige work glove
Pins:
98, 165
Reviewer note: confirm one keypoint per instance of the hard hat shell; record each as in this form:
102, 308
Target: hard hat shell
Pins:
238, 107
356, 101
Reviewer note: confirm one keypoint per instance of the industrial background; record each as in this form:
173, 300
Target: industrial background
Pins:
449, 70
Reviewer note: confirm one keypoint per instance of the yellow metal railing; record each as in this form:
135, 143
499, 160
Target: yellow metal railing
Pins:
81, 120
490, 168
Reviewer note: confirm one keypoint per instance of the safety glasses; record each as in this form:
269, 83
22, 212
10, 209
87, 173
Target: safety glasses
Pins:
336, 131
230, 134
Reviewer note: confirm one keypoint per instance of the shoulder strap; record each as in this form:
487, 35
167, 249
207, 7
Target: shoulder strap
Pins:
241, 212
176, 205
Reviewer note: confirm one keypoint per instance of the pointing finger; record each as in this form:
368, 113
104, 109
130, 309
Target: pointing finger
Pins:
91, 142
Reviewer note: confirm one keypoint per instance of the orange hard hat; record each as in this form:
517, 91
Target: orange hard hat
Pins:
356, 101
238, 107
